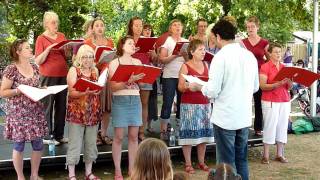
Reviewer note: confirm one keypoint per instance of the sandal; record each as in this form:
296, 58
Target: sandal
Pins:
141, 136
258, 133
265, 160
99, 139
91, 177
189, 169
203, 167
281, 159
150, 130
106, 140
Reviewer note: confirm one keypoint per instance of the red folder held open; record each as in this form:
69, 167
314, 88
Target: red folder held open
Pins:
62, 44
104, 53
298, 75
180, 47
145, 44
83, 84
208, 56
124, 72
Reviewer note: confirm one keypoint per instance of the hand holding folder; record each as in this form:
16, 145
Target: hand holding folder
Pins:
35, 94
145, 44
298, 75
66, 43
84, 84
124, 72
104, 54
180, 47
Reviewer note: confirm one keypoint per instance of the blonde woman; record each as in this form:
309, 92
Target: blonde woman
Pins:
152, 161
83, 114
53, 71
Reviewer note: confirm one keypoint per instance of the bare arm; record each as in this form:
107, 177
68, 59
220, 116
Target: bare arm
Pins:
6, 91
268, 87
43, 56
164, 58
183, 85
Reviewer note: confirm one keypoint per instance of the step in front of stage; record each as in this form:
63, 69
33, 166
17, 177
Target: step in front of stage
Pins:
105, 152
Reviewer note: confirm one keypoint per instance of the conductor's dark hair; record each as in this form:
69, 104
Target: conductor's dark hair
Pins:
225, 29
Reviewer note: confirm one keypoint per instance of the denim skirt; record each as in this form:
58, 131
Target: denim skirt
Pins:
126, 111
145, 86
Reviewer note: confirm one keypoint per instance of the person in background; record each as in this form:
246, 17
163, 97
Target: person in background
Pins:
275, 105
172, 64
259, 47
98, 39
152, 161
135, 29
195, 126
126, 106
287, 58
153, 97
233, 78
83, 114
223, 171
25, 119
53, 71
87, 28
202, 25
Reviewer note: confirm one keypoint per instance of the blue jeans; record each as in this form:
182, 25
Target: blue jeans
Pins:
232, 148
169, 89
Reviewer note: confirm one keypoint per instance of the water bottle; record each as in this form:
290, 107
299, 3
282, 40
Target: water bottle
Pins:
172, 138
52, 147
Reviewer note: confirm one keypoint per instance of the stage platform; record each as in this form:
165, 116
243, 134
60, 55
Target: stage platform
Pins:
105, 153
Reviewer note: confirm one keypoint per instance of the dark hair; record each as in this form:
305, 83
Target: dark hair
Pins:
273, 45
95, 20
300, 61
194, 44
223, 171
16, 46
130, 25
201, 20
150, 27
121, 43
225, 29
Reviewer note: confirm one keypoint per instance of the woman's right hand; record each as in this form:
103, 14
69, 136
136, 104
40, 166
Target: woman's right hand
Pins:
50, 47
133, 78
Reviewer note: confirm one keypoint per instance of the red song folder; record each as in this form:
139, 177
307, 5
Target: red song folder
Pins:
83, 84
161, 40
124, 72
298, 75
145, 44
104, 54
208, 56
62, 44
180, 47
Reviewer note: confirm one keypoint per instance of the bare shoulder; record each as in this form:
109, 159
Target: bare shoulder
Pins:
136, 61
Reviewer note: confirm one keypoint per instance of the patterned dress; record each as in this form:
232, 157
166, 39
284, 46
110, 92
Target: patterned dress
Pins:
25, 120
84, 110
195, 112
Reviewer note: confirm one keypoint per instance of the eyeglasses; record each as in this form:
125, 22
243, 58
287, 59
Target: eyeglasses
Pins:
87, 57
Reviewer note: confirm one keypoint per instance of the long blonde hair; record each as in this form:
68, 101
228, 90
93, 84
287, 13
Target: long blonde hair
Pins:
152, 161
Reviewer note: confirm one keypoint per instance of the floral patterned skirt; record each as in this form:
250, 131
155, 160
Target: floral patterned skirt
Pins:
195, 127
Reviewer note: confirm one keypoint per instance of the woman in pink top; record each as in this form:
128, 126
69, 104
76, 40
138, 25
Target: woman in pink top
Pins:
259, 47
53, 71
275, 102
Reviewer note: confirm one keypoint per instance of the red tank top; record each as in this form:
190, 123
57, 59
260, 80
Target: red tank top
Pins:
258, 50
189, 97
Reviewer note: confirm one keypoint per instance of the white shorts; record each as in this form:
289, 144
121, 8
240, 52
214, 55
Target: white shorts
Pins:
276, 117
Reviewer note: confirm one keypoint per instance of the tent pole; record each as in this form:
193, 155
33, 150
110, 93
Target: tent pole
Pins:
314, 56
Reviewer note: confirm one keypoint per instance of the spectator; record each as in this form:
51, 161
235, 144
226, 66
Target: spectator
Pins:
152, 161
25, 119
287, 58
202, 26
